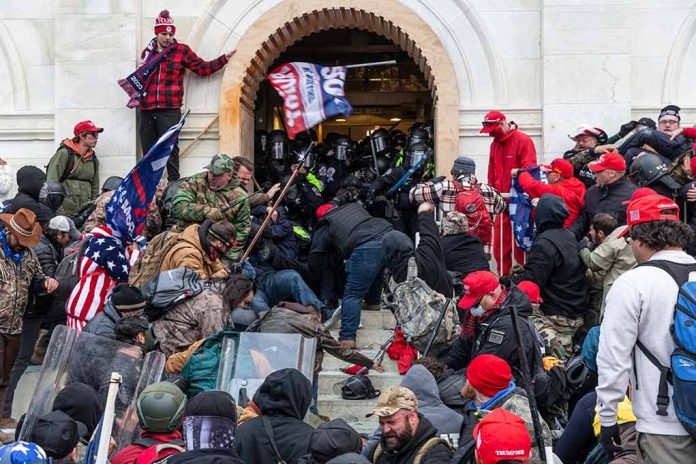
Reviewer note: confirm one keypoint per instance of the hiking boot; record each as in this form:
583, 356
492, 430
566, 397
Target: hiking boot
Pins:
371, 307
347, 344
8, 423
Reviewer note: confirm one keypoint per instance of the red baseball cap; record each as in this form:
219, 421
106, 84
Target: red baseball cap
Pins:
561, 167
640, 193
489, 374
648, 209
86, 126
608, 161
531, 290
491, 119
476, 285
502, 436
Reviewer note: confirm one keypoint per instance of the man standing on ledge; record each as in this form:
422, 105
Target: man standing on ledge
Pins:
511, 149
160, 106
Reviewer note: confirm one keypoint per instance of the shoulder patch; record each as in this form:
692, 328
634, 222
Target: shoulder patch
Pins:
496, 336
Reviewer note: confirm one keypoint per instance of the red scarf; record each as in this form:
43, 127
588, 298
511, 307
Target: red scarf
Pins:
470, 322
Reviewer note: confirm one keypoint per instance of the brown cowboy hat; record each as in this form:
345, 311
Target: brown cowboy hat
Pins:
23, 226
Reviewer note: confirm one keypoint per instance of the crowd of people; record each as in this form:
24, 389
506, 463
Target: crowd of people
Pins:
578, 348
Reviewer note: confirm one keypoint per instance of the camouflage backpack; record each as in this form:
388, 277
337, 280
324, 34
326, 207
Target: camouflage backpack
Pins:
148, 266
417, 308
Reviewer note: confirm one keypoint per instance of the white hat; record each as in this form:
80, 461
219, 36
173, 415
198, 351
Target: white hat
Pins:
64, 224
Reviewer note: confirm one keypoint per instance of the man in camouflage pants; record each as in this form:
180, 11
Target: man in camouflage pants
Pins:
208, 195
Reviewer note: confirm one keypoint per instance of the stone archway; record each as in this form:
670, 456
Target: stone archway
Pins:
288, 22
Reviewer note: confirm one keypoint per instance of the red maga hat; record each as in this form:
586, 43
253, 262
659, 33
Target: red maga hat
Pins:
491, 120
502, 436
648, 209
608, 161
476, 285
86, 126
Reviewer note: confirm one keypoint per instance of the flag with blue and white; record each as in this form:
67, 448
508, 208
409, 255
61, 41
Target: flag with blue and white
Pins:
523, 227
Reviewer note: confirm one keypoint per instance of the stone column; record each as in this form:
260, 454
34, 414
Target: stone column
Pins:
586, 68
95, 44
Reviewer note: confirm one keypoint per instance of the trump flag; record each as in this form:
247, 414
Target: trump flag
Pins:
311, 94
126, 212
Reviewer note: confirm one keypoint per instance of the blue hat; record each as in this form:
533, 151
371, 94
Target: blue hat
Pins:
22, 452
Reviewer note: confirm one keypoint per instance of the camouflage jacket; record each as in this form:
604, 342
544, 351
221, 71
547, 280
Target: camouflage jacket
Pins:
193, 319
153, 223
16, 283
194, 199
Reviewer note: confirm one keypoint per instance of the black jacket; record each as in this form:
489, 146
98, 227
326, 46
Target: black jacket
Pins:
30, 179
49, 255
284, 399
438, 454
207, 456
553, 263
607, 199
430, 258
464, 254
496, 335
351, 225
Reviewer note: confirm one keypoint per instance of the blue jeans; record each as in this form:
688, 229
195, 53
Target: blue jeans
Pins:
272, 287
364, 270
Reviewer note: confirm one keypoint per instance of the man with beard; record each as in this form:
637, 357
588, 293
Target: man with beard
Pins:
511, 149
407, 436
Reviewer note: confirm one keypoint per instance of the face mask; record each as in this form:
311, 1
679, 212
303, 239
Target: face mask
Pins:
477, 311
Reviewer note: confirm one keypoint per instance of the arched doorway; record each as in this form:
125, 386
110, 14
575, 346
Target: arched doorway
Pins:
285, 24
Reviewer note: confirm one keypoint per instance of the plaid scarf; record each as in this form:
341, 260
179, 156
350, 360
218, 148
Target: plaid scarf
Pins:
135, 84
469, 321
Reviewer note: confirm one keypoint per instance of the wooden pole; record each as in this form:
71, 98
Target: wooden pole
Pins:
205, 129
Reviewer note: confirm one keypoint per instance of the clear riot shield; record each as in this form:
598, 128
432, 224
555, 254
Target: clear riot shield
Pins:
247, 358
81, 357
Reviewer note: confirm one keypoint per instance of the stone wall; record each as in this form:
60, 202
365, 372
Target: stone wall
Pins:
549, 64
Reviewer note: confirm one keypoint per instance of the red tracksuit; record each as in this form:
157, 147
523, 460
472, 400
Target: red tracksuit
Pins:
513, 150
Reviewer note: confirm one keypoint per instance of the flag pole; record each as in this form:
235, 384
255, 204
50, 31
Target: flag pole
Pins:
371, 64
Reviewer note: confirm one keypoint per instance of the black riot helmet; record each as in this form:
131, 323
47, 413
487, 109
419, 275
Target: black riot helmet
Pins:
278, 145
416, 153
429, 127
261, 141
648, 169
380, 141
418, 135
359, 387
342, 147
52, 194
399, 140
111, 183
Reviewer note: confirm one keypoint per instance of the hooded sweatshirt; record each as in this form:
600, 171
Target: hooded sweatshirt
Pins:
570, 189
429, 255
422, 383
553, 263
30, 179
283, 398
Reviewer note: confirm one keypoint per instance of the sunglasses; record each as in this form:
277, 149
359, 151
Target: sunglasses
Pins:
489, 123
93, 134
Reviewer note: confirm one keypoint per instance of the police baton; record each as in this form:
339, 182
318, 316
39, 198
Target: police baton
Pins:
527, 377
283, 192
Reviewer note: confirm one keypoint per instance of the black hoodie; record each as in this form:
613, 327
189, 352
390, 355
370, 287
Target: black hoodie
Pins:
430, 258
553, 263
30, 179
283, 398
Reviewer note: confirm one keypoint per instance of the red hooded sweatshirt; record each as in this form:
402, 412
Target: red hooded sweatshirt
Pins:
513, 150
571, 191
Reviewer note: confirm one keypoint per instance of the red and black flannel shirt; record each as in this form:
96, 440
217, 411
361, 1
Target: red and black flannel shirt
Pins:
166, 88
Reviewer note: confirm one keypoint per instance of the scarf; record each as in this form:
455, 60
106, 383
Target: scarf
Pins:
16, 257
136, 83
498, 396
469, 322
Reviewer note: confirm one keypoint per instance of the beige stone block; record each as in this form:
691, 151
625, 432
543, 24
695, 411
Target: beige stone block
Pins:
96, 7
587, 41
119, 136
40, 87
524, 83
37, 32
516, 35
91, 85
587, 79
647, 79
653, 31
27, 9
95, 38
505, 5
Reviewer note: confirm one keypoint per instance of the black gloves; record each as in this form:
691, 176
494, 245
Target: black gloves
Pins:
437, 180
610, 438
626, 128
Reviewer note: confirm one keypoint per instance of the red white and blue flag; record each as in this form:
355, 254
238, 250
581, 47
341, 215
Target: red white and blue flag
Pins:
311, 94
126, 212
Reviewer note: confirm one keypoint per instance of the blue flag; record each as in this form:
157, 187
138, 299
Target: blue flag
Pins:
126, 212
523, 226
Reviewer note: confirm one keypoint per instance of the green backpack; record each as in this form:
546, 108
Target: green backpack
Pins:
201, 370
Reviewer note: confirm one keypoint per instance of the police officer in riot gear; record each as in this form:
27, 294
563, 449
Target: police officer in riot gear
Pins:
651, 170
52, 194
278, 152
332, 168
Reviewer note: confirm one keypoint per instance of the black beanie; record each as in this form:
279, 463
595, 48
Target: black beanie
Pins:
126, 298
332, 439
670, 110
212, 403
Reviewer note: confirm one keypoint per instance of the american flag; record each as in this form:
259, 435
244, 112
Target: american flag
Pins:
104, 264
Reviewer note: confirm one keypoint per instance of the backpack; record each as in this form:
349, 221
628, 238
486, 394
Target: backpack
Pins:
417, 309
148, 266
157, 453
420, 454
681, 372
201, 370
469, 202
168, 288
68, 271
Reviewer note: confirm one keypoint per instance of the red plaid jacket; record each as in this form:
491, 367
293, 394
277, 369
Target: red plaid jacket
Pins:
166, 88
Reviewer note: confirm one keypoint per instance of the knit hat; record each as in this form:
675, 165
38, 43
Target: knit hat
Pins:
502, 436
489, 374
332, 439
670, 110
463, 166
212, 403
454, 222
164, 23
127, 298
